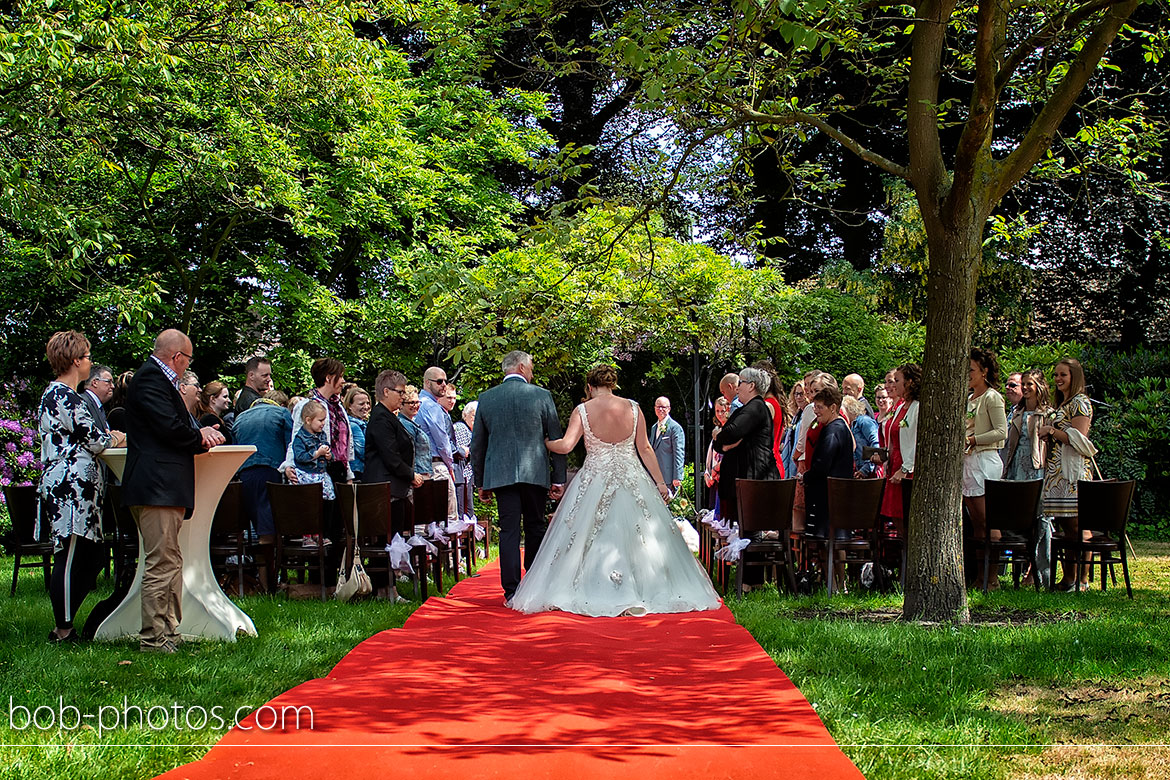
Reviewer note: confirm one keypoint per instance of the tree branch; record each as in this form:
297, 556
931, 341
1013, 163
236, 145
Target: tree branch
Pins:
1047, 35
927, 169
1039, 136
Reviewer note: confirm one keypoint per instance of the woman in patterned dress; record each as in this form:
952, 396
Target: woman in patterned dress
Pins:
72, 483
1073, 410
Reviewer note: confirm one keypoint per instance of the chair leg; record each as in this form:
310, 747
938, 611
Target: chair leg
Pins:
1125, 572
739, 577
829, 563
15, 572
986, 565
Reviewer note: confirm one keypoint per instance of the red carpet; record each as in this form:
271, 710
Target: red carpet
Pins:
469, 689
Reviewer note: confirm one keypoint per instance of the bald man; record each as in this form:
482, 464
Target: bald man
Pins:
159, 482
729, 387
854, 385
669, 443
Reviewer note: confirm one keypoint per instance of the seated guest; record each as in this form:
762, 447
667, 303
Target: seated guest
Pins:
865, 434
214, 402
72, 483
832, 457
357, 406
266, 425
422, 444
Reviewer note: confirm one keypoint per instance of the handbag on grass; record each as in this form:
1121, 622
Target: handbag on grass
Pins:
357, 583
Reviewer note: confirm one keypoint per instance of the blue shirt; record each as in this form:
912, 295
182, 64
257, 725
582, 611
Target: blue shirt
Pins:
269, 428
357, 432
865, 434
435, 423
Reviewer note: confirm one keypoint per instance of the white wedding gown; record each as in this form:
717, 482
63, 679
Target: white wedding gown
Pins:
612, 547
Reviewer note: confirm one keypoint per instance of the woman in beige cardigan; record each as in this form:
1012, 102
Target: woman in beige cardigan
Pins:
986, 431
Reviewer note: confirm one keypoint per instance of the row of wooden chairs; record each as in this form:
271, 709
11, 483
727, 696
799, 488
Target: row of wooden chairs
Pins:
1013, 508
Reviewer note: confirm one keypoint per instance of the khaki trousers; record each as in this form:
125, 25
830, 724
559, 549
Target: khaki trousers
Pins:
162, 578
441, 472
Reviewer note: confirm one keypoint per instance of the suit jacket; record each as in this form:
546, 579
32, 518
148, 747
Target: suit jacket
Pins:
669, 449
389, 452
751, 426
96, 411
161, 443
507, 446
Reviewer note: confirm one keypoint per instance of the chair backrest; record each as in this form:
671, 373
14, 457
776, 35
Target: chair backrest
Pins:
229, 512
765, 505
373, 505
1104, 505
430, 502
1013, 505
21, 501
297, 509
854, 503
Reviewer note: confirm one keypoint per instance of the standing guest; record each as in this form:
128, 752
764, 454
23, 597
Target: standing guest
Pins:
795, 408
1024, 451
1067, 434
853, 385
907, 385
881, 397
422, 445
267, 425
294, 401
805, 440
389, 446
1012, 392
714, 459
99, 388
832, 457
729, 387
986, 433
159, 481
72, 482
116, 406
865, 434
777, 403
214, 402
746, 441
510, 460
463, 432
257, 382
459, 453
328, 377
357, 406
435, 422
189, 389
669, 444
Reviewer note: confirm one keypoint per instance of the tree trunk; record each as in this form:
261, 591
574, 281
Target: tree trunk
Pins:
935, 587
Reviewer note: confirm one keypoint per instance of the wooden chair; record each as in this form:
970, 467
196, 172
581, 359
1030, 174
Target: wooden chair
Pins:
297, 511
1013, 508
853, 506
229, 531
374, 526
1103, 510
21, 501
765, 505
429, 505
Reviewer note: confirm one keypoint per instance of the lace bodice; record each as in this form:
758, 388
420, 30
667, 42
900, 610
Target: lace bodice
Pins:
595, 448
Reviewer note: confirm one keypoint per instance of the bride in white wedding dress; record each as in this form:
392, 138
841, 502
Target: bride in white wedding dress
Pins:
612, 547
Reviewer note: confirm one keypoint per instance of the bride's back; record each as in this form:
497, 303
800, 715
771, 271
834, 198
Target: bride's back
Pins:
611, 418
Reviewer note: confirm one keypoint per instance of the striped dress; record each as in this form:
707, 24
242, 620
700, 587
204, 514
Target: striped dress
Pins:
1060, 498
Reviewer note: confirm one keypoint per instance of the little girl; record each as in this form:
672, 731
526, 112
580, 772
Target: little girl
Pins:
311, 453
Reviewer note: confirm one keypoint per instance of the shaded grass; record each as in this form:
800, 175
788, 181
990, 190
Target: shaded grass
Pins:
912, 701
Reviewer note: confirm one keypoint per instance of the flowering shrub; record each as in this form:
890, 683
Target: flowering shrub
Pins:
20, 446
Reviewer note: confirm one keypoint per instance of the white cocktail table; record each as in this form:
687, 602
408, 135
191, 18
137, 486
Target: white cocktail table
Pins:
207, 612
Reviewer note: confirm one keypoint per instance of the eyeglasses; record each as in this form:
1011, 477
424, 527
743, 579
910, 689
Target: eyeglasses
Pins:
107, 381
184, 354
401, 391
192, 384
1013, 385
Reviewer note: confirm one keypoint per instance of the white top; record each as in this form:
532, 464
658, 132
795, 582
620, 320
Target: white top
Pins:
908, 436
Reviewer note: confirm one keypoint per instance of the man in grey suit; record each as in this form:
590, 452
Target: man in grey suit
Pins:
98, 389
510, 461
669, 443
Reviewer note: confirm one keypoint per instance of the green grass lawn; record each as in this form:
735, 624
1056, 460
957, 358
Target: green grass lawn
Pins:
904, 701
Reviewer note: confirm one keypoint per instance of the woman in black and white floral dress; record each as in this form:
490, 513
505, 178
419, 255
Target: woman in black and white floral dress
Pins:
72, 484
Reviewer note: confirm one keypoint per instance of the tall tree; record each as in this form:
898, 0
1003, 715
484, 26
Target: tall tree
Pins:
939, 71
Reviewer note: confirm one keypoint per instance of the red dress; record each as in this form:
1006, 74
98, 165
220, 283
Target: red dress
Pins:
892, 497
777, 432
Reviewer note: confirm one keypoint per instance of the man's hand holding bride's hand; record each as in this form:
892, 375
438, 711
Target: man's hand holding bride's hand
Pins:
664, 491
556, 491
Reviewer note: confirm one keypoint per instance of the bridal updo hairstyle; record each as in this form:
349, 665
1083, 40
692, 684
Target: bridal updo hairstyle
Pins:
602, 376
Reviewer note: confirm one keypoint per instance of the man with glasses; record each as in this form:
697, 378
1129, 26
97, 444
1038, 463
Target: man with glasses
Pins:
98, 389
159, 481
435, 422
668, 440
